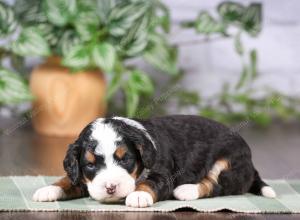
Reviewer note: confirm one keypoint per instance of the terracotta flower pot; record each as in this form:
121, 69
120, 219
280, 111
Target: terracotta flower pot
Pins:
65, 102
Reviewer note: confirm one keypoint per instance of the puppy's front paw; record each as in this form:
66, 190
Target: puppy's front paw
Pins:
139, 199
186, 192
48, 194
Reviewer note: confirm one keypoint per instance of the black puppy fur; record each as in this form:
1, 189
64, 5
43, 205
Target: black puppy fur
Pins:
186, 148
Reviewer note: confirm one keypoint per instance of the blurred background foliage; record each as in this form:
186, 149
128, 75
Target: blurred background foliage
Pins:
89, 34
106, 34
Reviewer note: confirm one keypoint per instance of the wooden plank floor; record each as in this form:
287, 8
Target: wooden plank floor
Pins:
22, 152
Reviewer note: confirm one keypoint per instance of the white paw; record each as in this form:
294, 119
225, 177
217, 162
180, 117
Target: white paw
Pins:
186, 192
139, 199
48, 194
268, 191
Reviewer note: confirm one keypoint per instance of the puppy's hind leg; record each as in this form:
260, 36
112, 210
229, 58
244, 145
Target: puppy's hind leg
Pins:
205, 187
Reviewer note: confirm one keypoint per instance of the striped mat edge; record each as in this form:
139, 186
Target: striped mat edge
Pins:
16, 195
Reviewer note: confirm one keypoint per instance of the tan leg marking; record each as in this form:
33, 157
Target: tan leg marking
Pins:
143, 186
206, 185
70, 190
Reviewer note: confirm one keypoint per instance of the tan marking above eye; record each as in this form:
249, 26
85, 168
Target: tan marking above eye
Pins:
90, 157
120, 152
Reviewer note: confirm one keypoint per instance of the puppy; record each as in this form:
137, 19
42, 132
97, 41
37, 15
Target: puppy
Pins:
144, 161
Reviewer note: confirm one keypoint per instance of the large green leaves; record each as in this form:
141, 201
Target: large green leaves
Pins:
124, 16
30, 12
104, 56
206, 24
163, 18
60, 12
67, 42
115, 84
132, 99
138, 83
231, 11
49, 32
86, 21
104, 8
31, 42
248, 18
136, 40
77, 58
252, 19
161, 55
129, 24
8, 22
13, 89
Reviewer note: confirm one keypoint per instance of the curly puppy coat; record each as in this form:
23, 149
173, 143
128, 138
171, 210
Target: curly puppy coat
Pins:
144, 161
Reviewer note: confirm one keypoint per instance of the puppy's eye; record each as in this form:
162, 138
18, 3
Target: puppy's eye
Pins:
90, 166
125, 160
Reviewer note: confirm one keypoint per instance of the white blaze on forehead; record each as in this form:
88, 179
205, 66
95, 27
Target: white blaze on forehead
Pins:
137, 125
106, 137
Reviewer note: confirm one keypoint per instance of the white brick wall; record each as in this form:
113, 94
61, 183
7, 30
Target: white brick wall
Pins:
208, 65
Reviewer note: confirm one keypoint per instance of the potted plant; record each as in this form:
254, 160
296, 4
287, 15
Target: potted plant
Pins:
87, 43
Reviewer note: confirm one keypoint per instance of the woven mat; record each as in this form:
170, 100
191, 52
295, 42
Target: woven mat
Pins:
16, 193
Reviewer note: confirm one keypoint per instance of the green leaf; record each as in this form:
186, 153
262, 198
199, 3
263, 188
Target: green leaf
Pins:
31, 42
137, 83
243, 78
238, 44
13, 89
136, 39
104, 8
30, 12
124, 16
67, 42
8, 22
17, 62
77, 58
60, 12
140, 81
165, 18
49, 32
208, 112
206, 24
231, 11
161, 55
241, 98
253, 64
262, 119
132, 99
252, 19
104, 56
188, 98
114, 85
87, 21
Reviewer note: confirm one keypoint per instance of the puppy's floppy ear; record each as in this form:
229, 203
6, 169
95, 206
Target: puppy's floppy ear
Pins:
147, 151
71, 163
141, 141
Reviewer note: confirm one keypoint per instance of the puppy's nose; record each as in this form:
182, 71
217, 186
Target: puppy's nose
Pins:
110, 188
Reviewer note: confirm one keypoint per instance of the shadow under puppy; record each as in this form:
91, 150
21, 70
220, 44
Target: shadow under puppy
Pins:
144, 161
